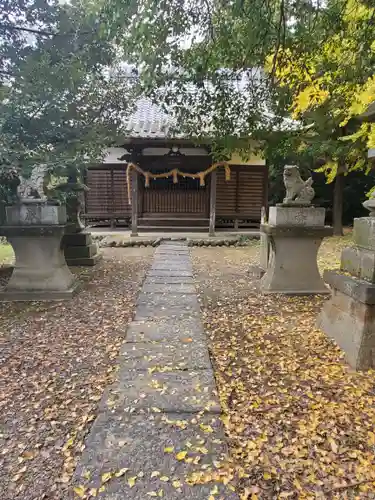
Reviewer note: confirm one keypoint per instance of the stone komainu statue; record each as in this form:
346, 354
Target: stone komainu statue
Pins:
33, 187
297, 190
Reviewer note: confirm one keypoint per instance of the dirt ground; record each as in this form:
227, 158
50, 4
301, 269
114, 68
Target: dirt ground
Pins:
56, 360
299, 421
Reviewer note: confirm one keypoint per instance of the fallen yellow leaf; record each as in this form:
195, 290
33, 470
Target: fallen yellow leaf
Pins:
121, 472
132, 481
106, 477
80, 491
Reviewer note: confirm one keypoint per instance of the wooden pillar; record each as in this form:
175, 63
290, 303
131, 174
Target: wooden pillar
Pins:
212, 203
134, 203
112, 200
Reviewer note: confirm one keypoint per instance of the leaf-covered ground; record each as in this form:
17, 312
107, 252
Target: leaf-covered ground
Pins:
55, 361
300, 422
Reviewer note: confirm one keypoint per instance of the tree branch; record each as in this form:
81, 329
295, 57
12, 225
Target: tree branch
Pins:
279, 36
35, 31
11, 27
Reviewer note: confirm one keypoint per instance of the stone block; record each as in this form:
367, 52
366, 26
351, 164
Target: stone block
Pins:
292, 267
351, 323
8, 295
40, 271
167, 273
166, 300
358, 289
77, 239
168, 356
123, 440
296, 231
85, 261
176, 312
35, 213
78, 252
188, 330
171, 266
181, 391
296, 216
169, 288
364, 232
359, 262
171, 280
264, 251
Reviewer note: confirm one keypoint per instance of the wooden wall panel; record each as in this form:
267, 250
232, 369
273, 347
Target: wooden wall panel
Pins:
226, 193
243, 195
107, 195
250, 193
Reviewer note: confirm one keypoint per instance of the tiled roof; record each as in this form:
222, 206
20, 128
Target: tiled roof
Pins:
148, 121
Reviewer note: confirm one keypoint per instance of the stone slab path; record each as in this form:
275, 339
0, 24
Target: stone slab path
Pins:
160, 420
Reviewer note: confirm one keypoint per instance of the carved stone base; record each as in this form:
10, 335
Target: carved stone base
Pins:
288, 215
349, 318
40, 271
292, 267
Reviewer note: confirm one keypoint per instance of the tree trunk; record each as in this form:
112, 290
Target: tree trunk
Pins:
338, 193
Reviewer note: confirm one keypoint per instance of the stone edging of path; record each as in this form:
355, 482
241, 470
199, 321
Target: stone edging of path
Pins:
158, 426
119, 242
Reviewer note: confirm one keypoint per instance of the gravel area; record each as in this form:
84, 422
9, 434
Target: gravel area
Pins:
56, 360
299, 422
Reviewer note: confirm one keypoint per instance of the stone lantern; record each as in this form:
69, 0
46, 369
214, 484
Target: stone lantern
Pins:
349, 316
79, 248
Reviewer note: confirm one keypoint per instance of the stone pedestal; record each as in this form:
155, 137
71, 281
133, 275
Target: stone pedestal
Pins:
35, 230
80, 250
295, 234
349, 316
264, 245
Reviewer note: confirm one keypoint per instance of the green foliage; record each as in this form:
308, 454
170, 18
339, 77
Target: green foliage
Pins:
62, 96
197, 58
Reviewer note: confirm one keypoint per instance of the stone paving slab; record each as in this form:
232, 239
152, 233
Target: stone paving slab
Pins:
169, 288
169, 280
169, 266
147, 356
172, 251
167, 300
137, 443
170, 273
177, 312
177, 391
188, 330
163, 256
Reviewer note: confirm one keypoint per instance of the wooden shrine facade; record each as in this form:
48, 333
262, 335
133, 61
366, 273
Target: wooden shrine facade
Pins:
118, 197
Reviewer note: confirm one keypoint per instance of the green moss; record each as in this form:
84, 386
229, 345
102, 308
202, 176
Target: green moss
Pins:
6, 254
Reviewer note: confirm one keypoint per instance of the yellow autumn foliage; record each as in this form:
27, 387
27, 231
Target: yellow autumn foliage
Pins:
310, 96
331, 77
